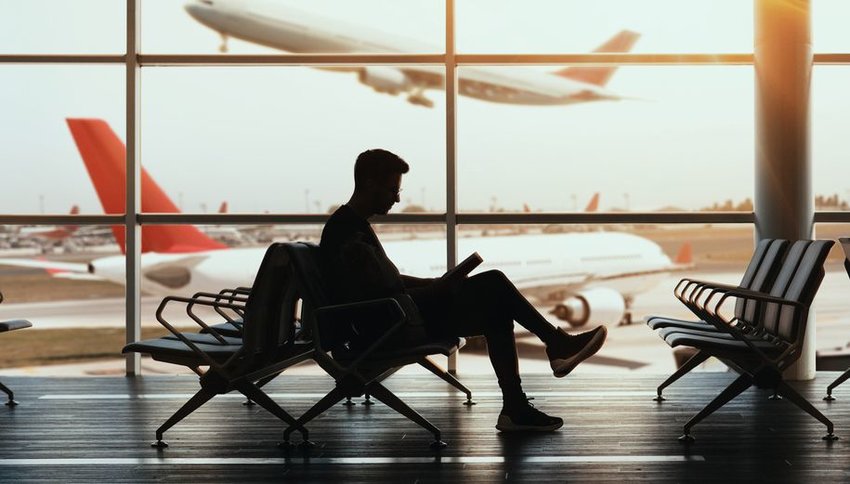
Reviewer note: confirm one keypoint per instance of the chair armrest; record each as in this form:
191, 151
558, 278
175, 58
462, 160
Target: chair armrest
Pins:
356, 308
221, 295
756, 296
751, 295
166, 300
398, 315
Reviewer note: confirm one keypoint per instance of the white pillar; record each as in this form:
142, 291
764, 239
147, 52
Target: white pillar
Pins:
783, 184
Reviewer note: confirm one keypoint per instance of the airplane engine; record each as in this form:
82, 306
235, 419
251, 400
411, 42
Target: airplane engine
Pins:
599, 305
384, 79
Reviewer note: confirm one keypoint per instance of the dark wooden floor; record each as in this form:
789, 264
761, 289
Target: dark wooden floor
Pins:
98, 429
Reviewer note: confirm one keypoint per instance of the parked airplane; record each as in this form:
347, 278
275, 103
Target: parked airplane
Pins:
588, 276
282, 27
51, 234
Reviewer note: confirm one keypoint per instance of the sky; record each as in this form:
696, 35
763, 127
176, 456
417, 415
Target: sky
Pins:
283, 139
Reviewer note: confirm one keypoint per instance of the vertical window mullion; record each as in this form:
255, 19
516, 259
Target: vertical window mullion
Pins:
132, 229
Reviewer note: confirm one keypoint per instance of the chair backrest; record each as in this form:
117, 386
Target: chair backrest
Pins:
845, 245
306, 263
800, 277
270, 313
760, 274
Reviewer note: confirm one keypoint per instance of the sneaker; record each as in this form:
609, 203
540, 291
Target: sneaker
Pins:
526, 418
571, 350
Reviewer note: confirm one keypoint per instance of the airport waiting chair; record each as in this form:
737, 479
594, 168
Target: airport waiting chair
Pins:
759, 276
845, 245
11, 326
358, 372
764, 347
232, 329
267, 346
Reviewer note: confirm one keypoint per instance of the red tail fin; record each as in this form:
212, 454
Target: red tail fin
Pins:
593, 204
103, 154
685, 255
223, 207
622, 42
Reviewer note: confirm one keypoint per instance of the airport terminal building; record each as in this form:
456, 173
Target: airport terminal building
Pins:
672, 172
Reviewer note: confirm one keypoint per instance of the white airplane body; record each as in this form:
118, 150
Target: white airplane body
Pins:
588, 276
275, 25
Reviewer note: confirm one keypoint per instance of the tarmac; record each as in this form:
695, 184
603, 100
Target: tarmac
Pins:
629, 349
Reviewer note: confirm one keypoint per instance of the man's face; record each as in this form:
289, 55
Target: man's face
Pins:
387, 193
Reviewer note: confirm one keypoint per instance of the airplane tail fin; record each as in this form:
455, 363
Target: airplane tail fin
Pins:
223, 207
622, 42
104, 156
593, 204
685, 257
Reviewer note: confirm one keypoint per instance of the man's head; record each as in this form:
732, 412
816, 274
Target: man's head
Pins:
377, 179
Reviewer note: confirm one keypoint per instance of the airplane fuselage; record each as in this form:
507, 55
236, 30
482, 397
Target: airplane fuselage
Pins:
292, 30
546, 265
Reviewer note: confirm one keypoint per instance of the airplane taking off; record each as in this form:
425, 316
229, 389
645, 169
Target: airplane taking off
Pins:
589, 277
279, 26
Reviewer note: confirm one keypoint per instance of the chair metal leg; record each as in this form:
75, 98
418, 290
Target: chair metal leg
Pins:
260, 384
325, 403
200, 398
254, 393
733, 390
11, 402
434, 368
693, 362
838, 381
383, 394
785, 390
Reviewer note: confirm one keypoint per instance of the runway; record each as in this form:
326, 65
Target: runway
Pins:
632, 348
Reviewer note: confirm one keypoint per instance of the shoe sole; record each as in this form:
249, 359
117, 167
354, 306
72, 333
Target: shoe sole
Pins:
505, 424
563, 367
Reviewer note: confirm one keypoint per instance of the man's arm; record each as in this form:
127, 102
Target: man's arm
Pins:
412, 281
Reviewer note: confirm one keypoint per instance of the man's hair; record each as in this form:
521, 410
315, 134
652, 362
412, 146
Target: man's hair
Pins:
376, 164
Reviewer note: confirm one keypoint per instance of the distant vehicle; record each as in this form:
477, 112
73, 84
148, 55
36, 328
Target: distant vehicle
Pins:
588, 277
279, 26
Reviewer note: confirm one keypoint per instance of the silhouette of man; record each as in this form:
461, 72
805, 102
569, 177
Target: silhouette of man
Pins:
355, 268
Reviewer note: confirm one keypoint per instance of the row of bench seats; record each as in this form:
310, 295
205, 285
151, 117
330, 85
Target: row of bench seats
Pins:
765, 332
262, 336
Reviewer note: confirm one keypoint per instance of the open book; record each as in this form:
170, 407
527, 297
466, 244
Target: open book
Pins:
461, 270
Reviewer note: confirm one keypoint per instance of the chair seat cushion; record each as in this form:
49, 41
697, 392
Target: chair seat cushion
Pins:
446, 346
206, 338
167, 349
228, 329
718, 343
14, 324
657, 322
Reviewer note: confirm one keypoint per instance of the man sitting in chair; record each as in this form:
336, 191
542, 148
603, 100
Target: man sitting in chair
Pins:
356, 268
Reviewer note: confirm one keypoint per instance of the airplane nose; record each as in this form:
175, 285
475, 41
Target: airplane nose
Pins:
198, 7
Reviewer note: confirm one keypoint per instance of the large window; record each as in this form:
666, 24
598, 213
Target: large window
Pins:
517, 120
43, 171
282, 139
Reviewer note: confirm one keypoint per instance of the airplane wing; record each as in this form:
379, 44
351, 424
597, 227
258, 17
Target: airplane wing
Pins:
53, 267
76, 276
